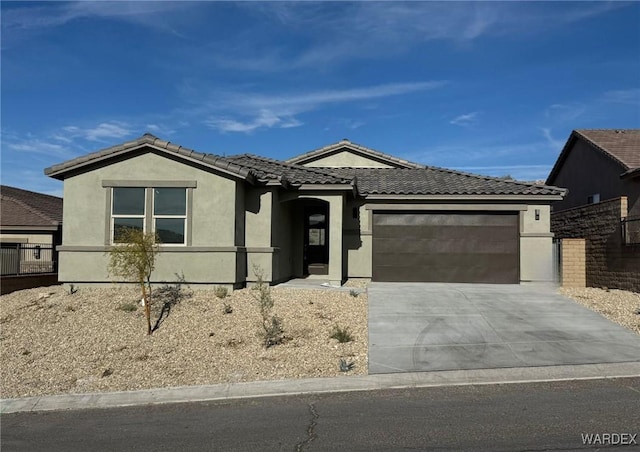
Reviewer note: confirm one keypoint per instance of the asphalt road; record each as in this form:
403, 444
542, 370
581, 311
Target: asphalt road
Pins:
512, 417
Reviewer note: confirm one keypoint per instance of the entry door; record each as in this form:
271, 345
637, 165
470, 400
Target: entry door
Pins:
316, 240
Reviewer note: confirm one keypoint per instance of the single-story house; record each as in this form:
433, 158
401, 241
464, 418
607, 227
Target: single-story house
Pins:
342, 211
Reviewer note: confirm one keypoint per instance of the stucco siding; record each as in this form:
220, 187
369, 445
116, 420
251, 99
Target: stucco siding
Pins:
346, 159
27, 238
587, 171
211, 220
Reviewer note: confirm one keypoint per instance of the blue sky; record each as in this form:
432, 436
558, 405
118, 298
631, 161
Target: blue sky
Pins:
488, 87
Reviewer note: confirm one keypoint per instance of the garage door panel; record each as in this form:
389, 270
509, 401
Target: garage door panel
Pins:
446, 247
464, 245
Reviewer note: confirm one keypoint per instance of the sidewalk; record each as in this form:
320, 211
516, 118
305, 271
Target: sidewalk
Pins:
318, 386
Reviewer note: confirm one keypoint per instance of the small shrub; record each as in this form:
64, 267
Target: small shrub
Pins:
342, 335
272, 331
128, 307
221, 292
69, 308
72, 289
107, 372
346, 366
354, 293
227, 309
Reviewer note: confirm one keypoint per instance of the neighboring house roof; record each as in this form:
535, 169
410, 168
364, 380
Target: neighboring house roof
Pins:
620, 145
357, 149
439, 181
270, 169
27, 208
61, 170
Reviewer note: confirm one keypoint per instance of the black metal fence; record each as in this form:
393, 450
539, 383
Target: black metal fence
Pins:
27, 258
631, 230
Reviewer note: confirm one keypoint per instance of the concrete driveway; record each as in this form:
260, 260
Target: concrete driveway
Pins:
433, 326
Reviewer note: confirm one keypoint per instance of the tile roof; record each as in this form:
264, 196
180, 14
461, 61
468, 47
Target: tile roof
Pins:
438, 181
415, 180
332, 148
270, 169
27, 208
213, 161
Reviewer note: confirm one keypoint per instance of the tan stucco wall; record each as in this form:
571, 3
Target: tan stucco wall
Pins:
46, 239
536, 245
213, 222
357, 240
346, 159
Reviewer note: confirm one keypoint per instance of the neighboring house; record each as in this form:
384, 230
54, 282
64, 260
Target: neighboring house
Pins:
342, 211
30, 228
596, 165
601, 170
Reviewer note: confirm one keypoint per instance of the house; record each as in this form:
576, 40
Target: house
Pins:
601, 170
30, 228
342, 211
596, 165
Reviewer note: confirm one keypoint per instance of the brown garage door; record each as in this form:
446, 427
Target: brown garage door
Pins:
471, 247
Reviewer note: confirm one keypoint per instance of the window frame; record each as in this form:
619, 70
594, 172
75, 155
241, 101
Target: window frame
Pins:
184, 217
114, 216
149, 217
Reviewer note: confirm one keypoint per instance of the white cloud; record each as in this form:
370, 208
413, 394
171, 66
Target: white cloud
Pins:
265, 119
553, 143
623, 96
280, 110
101, 132
465, 120
58, 14
37, 146
565, 112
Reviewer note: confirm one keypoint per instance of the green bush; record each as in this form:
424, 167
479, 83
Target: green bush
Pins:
128, 307
354, 293
221, 292
342, 335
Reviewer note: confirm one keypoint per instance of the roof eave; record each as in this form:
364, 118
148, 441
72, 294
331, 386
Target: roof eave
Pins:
61, 173
457, 197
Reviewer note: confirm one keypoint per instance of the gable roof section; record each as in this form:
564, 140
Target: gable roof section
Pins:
270, 169
620, 145
356, 149
439, 181
27, 208
213, 161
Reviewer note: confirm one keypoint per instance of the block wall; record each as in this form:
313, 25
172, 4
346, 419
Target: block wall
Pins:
608, 261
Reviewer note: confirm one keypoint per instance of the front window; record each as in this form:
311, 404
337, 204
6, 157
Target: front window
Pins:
170, 214
128, 211
167, 215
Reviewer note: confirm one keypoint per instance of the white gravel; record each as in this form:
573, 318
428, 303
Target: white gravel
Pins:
85, 342
619, 306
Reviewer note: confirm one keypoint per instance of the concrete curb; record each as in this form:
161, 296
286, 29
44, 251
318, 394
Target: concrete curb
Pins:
319, 386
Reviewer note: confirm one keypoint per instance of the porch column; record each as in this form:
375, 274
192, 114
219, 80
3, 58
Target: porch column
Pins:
335, 238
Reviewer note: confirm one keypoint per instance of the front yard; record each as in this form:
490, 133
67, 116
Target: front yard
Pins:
54, 342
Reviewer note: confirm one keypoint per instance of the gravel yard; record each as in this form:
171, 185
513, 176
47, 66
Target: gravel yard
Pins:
95, 340
618, 306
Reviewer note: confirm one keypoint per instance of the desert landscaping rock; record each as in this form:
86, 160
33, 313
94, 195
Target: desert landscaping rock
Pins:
619, 306
91, 341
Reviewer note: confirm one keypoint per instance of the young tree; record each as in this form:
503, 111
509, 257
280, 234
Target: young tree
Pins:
134, 259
